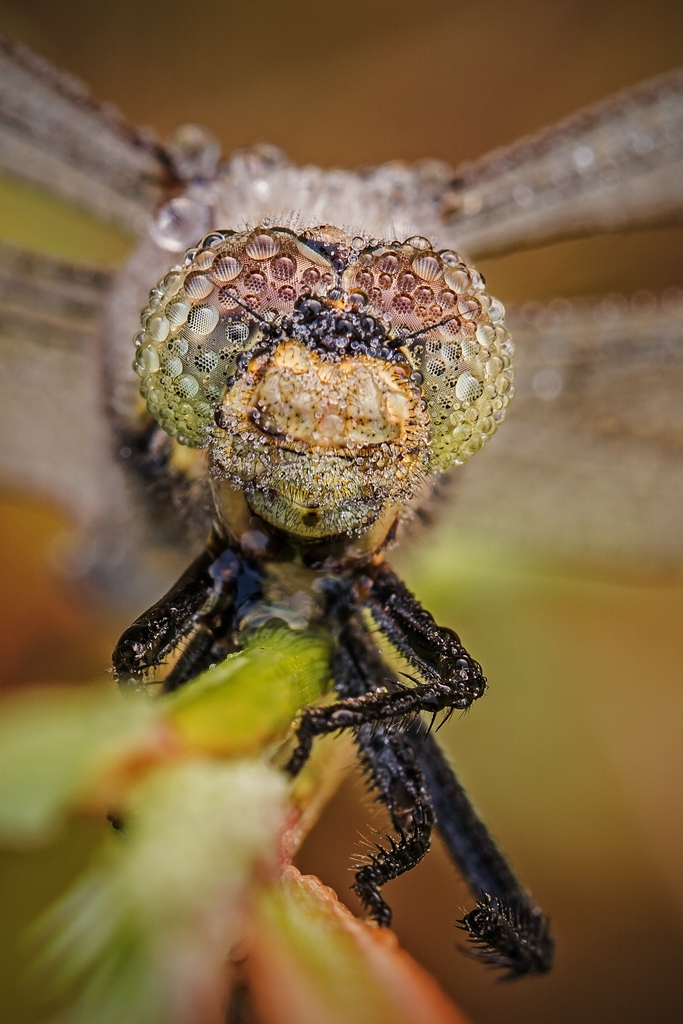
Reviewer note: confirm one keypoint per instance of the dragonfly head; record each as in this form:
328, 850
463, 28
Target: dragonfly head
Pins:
328, 376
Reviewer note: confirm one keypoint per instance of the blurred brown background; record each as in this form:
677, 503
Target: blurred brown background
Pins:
574, 756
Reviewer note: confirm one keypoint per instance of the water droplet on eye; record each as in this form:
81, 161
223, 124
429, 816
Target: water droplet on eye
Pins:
177, 312
419, 242
177, 346
172, 284
202, 319
311, 277
206, 362
255, 281
287, 293
179, 222
173, 366
403, 303
198, 286
262, 247
457, 278
389, 264
469, 308
486, 334
424, 295
406, 282
284, 268
187, 386
146, 361
451, 258
496, 310
195, 152
468, 387
236, 331
212, 240
158, 328
385, 281
426, 267
226, 268
205, 260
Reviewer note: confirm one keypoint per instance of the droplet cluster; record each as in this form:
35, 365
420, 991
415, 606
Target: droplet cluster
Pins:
453, 334
237, 295
210, 309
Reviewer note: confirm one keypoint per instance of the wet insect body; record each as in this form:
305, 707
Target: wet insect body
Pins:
303, 387
319, 383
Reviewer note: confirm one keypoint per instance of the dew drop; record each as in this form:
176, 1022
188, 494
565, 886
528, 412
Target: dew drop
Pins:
262, 247
226, 268
195, 152
179, 222
146, 361
236, 331
187, 386
158, 328
426, 267
419, 242
173, 366
202, 319
468, 387
284, 268
198, 286
457, 278
177, 312
206, 362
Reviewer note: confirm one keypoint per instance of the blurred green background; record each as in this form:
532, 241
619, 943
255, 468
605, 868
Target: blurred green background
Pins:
574, 756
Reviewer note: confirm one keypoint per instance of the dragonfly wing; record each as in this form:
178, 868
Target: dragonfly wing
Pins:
591, 460
54, 135
613, 166
57, 440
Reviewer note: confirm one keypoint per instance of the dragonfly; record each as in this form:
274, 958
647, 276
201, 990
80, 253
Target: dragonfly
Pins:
592, 427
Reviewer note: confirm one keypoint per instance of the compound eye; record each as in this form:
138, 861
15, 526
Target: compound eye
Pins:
452, 332
210, 310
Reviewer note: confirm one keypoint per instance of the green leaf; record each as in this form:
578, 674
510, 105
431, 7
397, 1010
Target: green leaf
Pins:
53, 745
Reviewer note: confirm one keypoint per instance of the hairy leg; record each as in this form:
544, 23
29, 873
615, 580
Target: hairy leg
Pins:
416, 782
206, 600
453, 679
391, 765
507, 930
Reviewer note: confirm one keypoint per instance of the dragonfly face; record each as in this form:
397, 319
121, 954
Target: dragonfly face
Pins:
313, 381
329, 377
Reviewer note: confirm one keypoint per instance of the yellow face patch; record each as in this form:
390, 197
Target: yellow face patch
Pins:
356, 401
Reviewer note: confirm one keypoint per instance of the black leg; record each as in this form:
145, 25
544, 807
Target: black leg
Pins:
435, 651
453, 679
506, 929
207, 598
417, 784
391, 765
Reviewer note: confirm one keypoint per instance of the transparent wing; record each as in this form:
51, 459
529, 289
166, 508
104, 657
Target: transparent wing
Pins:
50, 313
55, 136
590, 462
613, 166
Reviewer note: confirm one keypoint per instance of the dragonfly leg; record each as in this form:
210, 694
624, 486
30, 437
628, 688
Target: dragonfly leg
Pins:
506, 929
435, 651
205, 601
416, 782
390, 763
